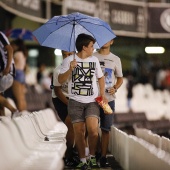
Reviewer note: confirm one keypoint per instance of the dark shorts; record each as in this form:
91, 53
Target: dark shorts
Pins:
106, 120
80, 111
19, 76
61, 108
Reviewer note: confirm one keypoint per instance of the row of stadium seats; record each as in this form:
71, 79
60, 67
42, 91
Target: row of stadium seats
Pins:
32, 141
154, 103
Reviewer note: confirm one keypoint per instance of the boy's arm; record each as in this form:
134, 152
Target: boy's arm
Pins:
64, 76
118, 83
101, 82
9, 59
60, 95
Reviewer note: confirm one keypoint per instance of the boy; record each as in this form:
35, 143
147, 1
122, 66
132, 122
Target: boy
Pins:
112, 69
82, 73
60, 101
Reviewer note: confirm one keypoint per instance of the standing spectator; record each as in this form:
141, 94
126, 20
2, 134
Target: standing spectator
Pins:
129, 87
46, 82
111, 66
18, 87
6, 72
60, 101
82, 72
41, 68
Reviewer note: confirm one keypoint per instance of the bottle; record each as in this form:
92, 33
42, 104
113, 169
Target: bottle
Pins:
105, 106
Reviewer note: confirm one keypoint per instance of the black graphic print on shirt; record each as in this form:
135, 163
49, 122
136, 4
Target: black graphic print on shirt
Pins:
82, 78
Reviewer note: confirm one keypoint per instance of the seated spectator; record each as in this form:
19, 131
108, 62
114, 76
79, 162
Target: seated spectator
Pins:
6, 73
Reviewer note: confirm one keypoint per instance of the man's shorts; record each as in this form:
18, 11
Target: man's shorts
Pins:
61, 108
106, 120
80, 111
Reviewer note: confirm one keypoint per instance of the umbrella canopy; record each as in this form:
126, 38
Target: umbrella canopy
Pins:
61, 31
20, 33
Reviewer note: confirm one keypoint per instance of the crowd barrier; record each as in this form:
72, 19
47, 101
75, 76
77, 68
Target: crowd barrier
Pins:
33, 141
134, 153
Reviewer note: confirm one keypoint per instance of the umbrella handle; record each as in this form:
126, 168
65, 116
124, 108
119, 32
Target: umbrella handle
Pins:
74, 38
74, 56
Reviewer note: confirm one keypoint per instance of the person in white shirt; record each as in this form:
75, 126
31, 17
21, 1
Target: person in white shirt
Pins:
60, 101
112, 69
82, 70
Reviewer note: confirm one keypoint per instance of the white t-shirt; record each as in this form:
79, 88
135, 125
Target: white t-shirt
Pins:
82, 83
112, 68
64, 86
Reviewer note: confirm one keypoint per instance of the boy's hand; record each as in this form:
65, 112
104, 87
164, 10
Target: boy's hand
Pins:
112, 90
73, 64
104, 104
104, 99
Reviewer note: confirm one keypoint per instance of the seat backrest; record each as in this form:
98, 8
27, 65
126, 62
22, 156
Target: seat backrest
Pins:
35, 124
9, 155
18, 140
49, 117
27, 132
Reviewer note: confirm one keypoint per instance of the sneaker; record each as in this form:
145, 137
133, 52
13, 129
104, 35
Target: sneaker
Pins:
71, 162
74, 152
98, 156
93, 163
82, 166
104, 162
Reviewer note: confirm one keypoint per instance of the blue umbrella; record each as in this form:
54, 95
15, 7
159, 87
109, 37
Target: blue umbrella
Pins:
61, 31
20, 33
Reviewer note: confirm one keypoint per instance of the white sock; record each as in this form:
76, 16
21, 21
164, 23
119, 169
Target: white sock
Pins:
83, 160
86, 151
92, 156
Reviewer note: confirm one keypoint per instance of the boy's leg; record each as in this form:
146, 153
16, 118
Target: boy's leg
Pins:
106, 121
92, 124
76, 112
61, 109
79, 132
105, 142
92, 128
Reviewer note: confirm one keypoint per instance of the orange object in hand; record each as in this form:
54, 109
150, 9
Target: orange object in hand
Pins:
105, 106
